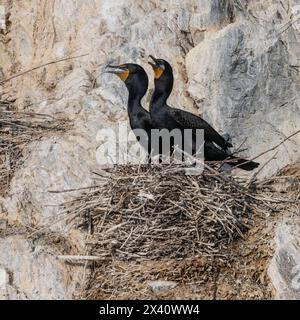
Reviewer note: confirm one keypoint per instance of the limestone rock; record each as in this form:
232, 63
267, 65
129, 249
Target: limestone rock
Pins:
248, 84
2, 18
231, 60
162, 286
31, 271
4, 280
284, 269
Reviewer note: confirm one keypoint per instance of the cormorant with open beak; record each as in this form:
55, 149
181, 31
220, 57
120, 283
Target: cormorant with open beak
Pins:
136, 81
165, 117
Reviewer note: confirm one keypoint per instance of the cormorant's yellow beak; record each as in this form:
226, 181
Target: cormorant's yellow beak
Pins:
121, 71
157, 67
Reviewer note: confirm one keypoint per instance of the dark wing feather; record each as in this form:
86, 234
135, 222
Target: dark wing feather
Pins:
191, 121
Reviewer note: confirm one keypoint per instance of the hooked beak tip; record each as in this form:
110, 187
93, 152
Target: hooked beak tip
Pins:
116, 69
155, 64
151, 57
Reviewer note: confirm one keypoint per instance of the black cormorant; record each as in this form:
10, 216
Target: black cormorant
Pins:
165, 117
136, 81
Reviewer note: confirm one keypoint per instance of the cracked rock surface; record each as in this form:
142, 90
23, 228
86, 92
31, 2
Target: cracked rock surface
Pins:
233, 61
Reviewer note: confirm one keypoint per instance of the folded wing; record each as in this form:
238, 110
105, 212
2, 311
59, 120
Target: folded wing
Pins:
191, 121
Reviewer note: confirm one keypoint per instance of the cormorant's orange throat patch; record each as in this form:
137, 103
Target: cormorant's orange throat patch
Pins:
124, 75
158, 72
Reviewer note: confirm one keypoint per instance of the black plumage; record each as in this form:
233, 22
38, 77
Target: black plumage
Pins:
136, 81
165, 117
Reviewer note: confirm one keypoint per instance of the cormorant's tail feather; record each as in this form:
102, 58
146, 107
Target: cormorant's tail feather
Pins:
244, 164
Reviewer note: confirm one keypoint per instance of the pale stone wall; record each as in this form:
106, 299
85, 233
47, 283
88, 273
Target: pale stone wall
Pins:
231, 60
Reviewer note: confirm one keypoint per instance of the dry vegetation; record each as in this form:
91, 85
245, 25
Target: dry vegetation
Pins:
210, 233
17, 130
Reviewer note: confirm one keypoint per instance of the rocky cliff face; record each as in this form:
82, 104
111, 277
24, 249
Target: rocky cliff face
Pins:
235, 61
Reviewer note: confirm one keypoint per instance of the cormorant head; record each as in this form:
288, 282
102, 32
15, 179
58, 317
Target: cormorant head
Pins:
133, 75
163, 74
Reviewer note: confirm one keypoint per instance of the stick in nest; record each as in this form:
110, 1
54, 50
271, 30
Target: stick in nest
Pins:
149, 213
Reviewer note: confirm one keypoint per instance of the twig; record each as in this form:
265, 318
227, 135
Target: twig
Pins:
80, 258
73, 190
41, 66
253, 178
271, 149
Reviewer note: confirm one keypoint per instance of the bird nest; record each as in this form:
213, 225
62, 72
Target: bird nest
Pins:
18, 129
155, 222
152, 212
210, 233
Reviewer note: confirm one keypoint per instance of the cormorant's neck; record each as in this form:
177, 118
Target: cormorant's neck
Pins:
159, 98
161, 93
134, 99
